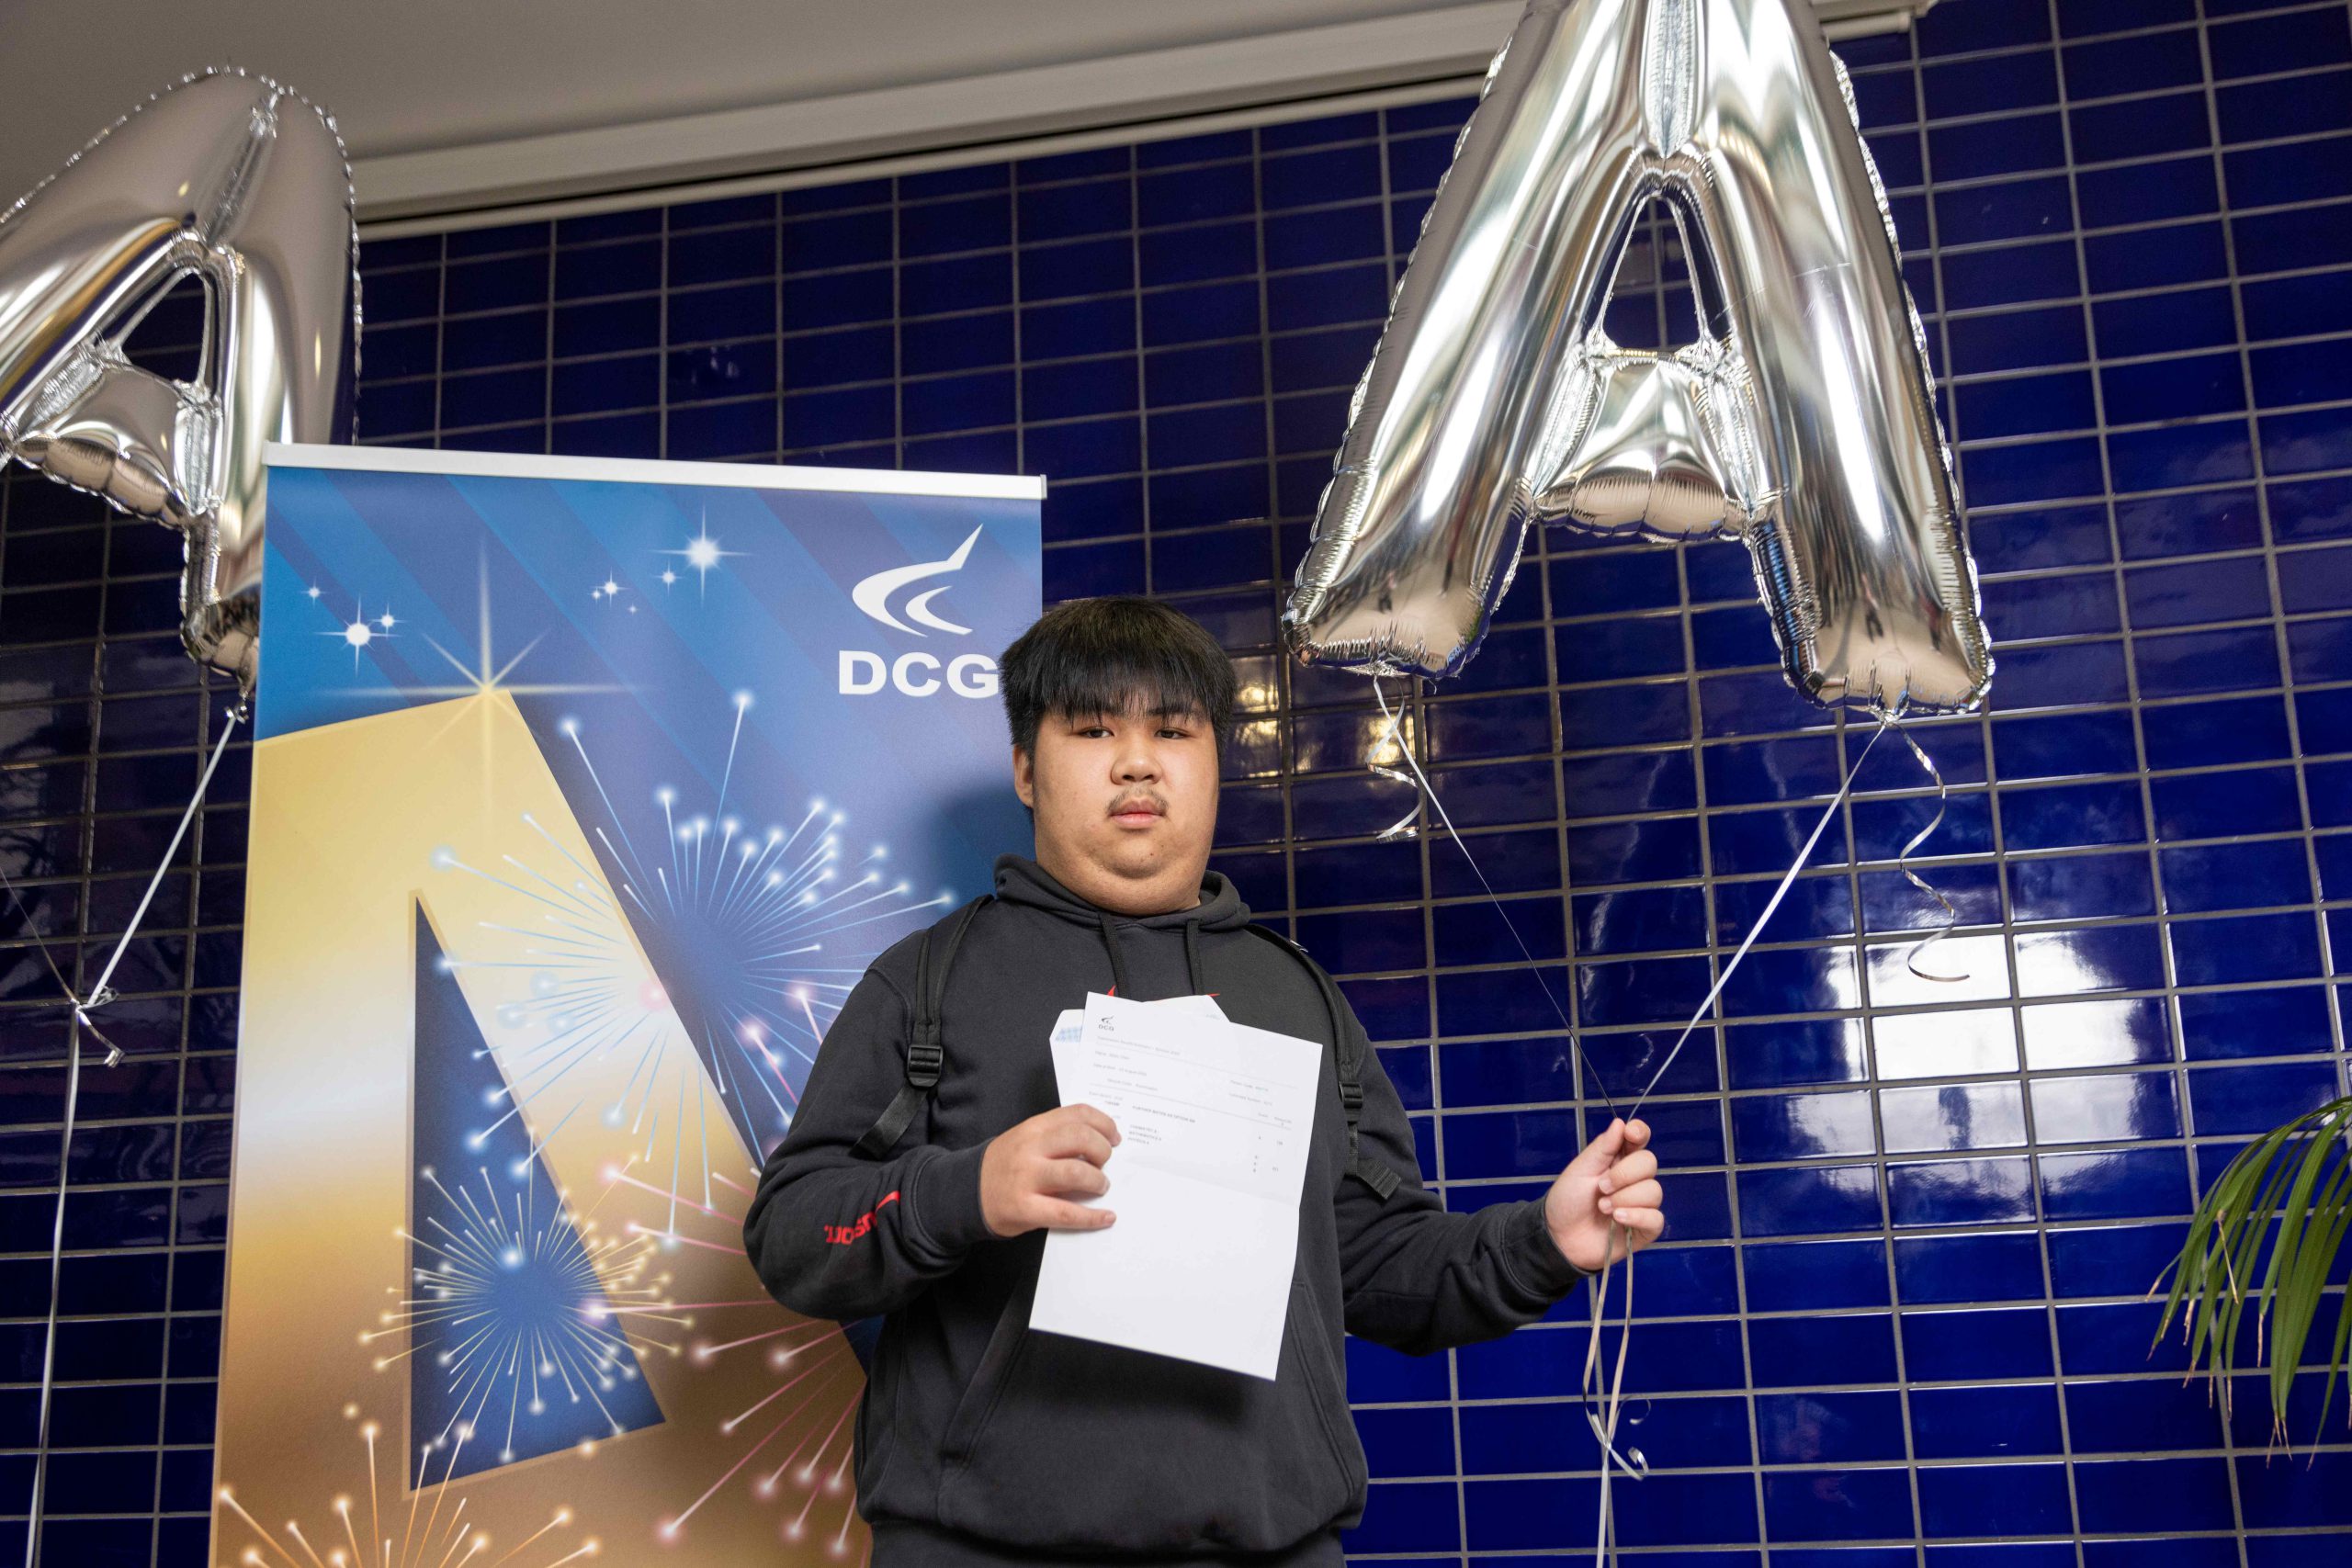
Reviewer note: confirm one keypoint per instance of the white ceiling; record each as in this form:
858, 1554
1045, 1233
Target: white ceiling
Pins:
455, 103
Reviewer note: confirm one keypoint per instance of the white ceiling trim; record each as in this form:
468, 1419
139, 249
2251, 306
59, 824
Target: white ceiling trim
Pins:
1005, 106
1154, 92
956, 156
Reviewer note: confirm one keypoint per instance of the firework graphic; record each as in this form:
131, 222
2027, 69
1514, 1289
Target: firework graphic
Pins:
525, 1312
750, 939
401, 1531
785, 1444
708, 959
508, 1327
518, 1313
789, 1443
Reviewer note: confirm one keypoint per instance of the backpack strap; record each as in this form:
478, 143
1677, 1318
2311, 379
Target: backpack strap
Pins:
924, 1056
1372, 1173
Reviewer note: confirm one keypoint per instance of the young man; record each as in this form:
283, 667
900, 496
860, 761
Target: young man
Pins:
980, 1442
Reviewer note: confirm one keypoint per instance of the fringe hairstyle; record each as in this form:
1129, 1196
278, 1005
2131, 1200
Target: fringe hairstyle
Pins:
1118, 654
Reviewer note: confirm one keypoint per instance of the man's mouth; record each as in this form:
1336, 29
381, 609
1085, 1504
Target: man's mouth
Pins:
1136, 813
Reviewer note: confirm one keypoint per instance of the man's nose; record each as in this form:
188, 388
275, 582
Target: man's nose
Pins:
1137, 765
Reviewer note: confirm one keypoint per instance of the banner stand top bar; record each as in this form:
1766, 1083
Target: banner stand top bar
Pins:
639, 471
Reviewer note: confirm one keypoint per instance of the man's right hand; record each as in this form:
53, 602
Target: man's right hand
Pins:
1063, 1150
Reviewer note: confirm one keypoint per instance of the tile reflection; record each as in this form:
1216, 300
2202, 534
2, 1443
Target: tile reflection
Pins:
1928, 1119
1959, 1191
2103, 958
1801, 1127
2097, 1034
2112, 1108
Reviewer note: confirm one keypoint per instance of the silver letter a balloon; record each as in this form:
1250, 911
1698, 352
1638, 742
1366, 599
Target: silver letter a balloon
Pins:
1802, 421
238, 182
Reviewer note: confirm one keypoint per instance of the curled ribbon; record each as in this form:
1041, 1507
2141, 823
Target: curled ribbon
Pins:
1903, 857
1403, 828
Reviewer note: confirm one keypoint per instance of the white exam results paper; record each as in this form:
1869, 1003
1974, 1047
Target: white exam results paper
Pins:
1215, 1121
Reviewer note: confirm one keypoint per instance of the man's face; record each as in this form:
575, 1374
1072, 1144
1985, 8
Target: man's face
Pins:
1125, 806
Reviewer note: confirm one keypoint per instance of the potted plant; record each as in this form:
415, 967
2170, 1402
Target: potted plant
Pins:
2299, 1177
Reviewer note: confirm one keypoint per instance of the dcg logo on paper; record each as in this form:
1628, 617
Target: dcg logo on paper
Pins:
915, 674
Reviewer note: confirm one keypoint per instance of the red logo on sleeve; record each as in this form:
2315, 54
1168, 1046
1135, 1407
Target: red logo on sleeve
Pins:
842, 1236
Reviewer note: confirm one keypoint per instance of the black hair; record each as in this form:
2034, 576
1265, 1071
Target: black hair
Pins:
1116, 654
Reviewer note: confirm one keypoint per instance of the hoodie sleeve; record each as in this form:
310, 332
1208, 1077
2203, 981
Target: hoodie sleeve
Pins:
834, 1233
1419, 1277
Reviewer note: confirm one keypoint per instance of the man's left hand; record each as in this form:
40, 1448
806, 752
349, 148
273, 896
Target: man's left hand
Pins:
1613, 1180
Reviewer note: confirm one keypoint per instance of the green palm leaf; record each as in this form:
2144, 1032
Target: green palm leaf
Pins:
2297, 1178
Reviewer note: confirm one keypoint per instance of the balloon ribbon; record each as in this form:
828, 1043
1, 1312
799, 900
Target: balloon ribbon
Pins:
1611, 1401
100, 993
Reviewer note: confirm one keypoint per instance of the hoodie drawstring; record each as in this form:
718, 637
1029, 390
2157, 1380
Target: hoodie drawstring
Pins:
1119, 968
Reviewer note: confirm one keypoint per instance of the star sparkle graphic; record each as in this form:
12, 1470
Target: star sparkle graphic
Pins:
479, 673
358, 632
396, 1536
702, 553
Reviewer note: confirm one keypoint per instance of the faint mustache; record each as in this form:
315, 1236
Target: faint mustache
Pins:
1138, 803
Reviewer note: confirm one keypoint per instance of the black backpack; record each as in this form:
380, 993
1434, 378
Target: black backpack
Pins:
924, 1057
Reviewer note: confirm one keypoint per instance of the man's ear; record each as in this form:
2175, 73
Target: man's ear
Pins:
1025, 776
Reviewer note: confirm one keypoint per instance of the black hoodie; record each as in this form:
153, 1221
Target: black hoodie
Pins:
979, 1441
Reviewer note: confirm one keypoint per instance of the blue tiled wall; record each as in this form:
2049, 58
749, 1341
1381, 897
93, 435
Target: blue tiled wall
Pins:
1899, 1317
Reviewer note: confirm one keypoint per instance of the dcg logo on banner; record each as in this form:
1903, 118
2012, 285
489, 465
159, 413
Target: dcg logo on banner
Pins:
917, 673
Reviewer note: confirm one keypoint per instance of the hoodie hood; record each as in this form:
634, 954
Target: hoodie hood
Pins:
1019, 880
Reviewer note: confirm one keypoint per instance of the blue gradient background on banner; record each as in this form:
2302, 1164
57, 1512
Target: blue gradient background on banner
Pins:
712, 696
771, 616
